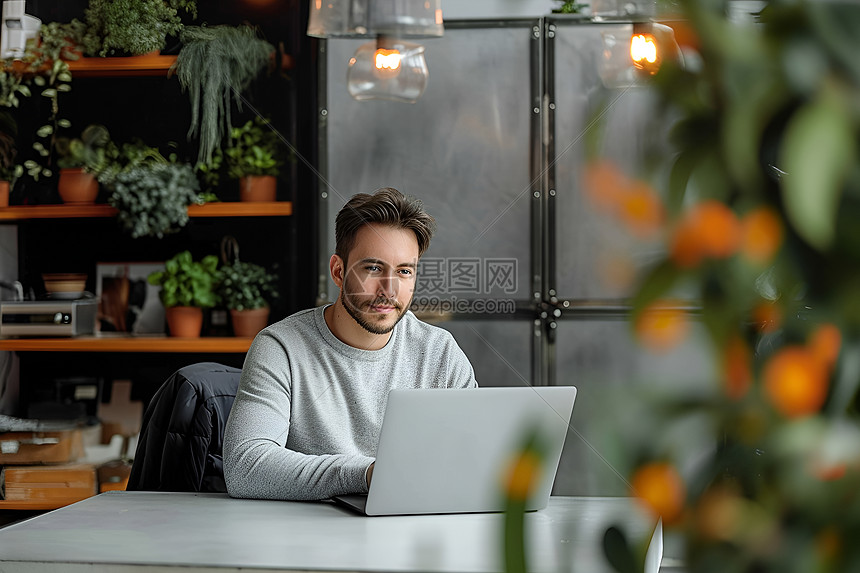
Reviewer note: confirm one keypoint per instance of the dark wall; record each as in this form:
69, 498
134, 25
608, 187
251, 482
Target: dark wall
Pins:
156, 110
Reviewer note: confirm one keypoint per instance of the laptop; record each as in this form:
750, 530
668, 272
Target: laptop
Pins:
447, 451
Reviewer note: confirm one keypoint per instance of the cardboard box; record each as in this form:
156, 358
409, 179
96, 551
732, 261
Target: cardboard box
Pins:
56, 447
64, 484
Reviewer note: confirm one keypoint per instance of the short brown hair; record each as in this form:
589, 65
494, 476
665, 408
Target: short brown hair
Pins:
386, 206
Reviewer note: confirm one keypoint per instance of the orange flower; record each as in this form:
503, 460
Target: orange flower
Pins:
719, 513
661, 327
767, 316
829, 472
685, 247
736, 368
824, 342
634, 202
708, 229
523, 475
761, 235
660, 489
604, 184
642, 210
795, 381
719, 228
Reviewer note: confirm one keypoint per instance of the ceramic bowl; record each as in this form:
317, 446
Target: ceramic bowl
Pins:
65, 285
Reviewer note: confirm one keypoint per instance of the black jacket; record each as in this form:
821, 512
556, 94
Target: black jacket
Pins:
182, 433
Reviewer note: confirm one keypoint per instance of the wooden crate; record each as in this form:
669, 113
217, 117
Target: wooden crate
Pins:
57, 447
64, 484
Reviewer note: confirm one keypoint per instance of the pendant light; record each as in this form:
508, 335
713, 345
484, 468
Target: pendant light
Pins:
388, 67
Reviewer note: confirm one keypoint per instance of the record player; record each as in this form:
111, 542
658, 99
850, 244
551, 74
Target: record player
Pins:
51, 316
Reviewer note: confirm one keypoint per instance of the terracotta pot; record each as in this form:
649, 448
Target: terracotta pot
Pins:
247, 323
4, 193
184, 321
77, 187
258, 188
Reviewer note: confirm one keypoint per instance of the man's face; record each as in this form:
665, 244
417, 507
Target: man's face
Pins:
379, 279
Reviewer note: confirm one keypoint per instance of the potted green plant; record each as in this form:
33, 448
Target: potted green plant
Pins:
132, 27
64, 40
150, 192
253, 158
215, 65
187, 287
245, 289
81, 160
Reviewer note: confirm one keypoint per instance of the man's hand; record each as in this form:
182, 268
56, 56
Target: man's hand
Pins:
369, 474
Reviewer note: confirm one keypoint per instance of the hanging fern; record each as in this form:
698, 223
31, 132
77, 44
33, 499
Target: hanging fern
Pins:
216, 64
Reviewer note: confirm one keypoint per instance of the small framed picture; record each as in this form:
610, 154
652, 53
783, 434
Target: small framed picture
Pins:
127, 303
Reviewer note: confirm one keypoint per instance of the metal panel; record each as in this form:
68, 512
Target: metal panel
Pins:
500, 350
591, 256
613, 375
464, 148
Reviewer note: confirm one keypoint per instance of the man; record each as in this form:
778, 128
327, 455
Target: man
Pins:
309, 408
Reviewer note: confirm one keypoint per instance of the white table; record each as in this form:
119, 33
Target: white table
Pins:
124, 532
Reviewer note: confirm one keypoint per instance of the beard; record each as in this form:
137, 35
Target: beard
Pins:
358, 307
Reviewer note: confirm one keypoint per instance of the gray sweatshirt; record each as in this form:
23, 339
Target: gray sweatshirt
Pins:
307, 415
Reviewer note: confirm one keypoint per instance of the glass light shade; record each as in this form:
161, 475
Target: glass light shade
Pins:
388, 69
630, 58
370, 18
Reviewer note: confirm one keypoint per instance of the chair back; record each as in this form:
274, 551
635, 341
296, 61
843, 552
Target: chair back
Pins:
182, 432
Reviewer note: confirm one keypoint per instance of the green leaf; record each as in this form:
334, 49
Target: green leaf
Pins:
817, 153
679, 177
45, 131
836, 25
49, 92
65, 123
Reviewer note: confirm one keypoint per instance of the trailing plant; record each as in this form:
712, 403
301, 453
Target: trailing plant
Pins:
246, 286
12, 86
215, 65
153, 198
93, 151
121, 27
40, 66
253, 150
186, 282
210, 173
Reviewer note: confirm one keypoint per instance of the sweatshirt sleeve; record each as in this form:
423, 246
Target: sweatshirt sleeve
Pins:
257, 463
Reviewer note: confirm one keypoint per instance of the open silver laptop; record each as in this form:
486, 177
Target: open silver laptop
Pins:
447, 451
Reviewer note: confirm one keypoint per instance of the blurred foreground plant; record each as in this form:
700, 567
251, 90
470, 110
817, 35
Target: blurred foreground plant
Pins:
760, 234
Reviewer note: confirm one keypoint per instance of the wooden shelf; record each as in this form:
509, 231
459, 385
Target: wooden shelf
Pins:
147, 65
34, 504
240, 209
119, 343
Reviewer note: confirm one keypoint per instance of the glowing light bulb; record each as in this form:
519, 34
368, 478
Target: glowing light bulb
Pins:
389, 69
387, 60
643, 48
645, 53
